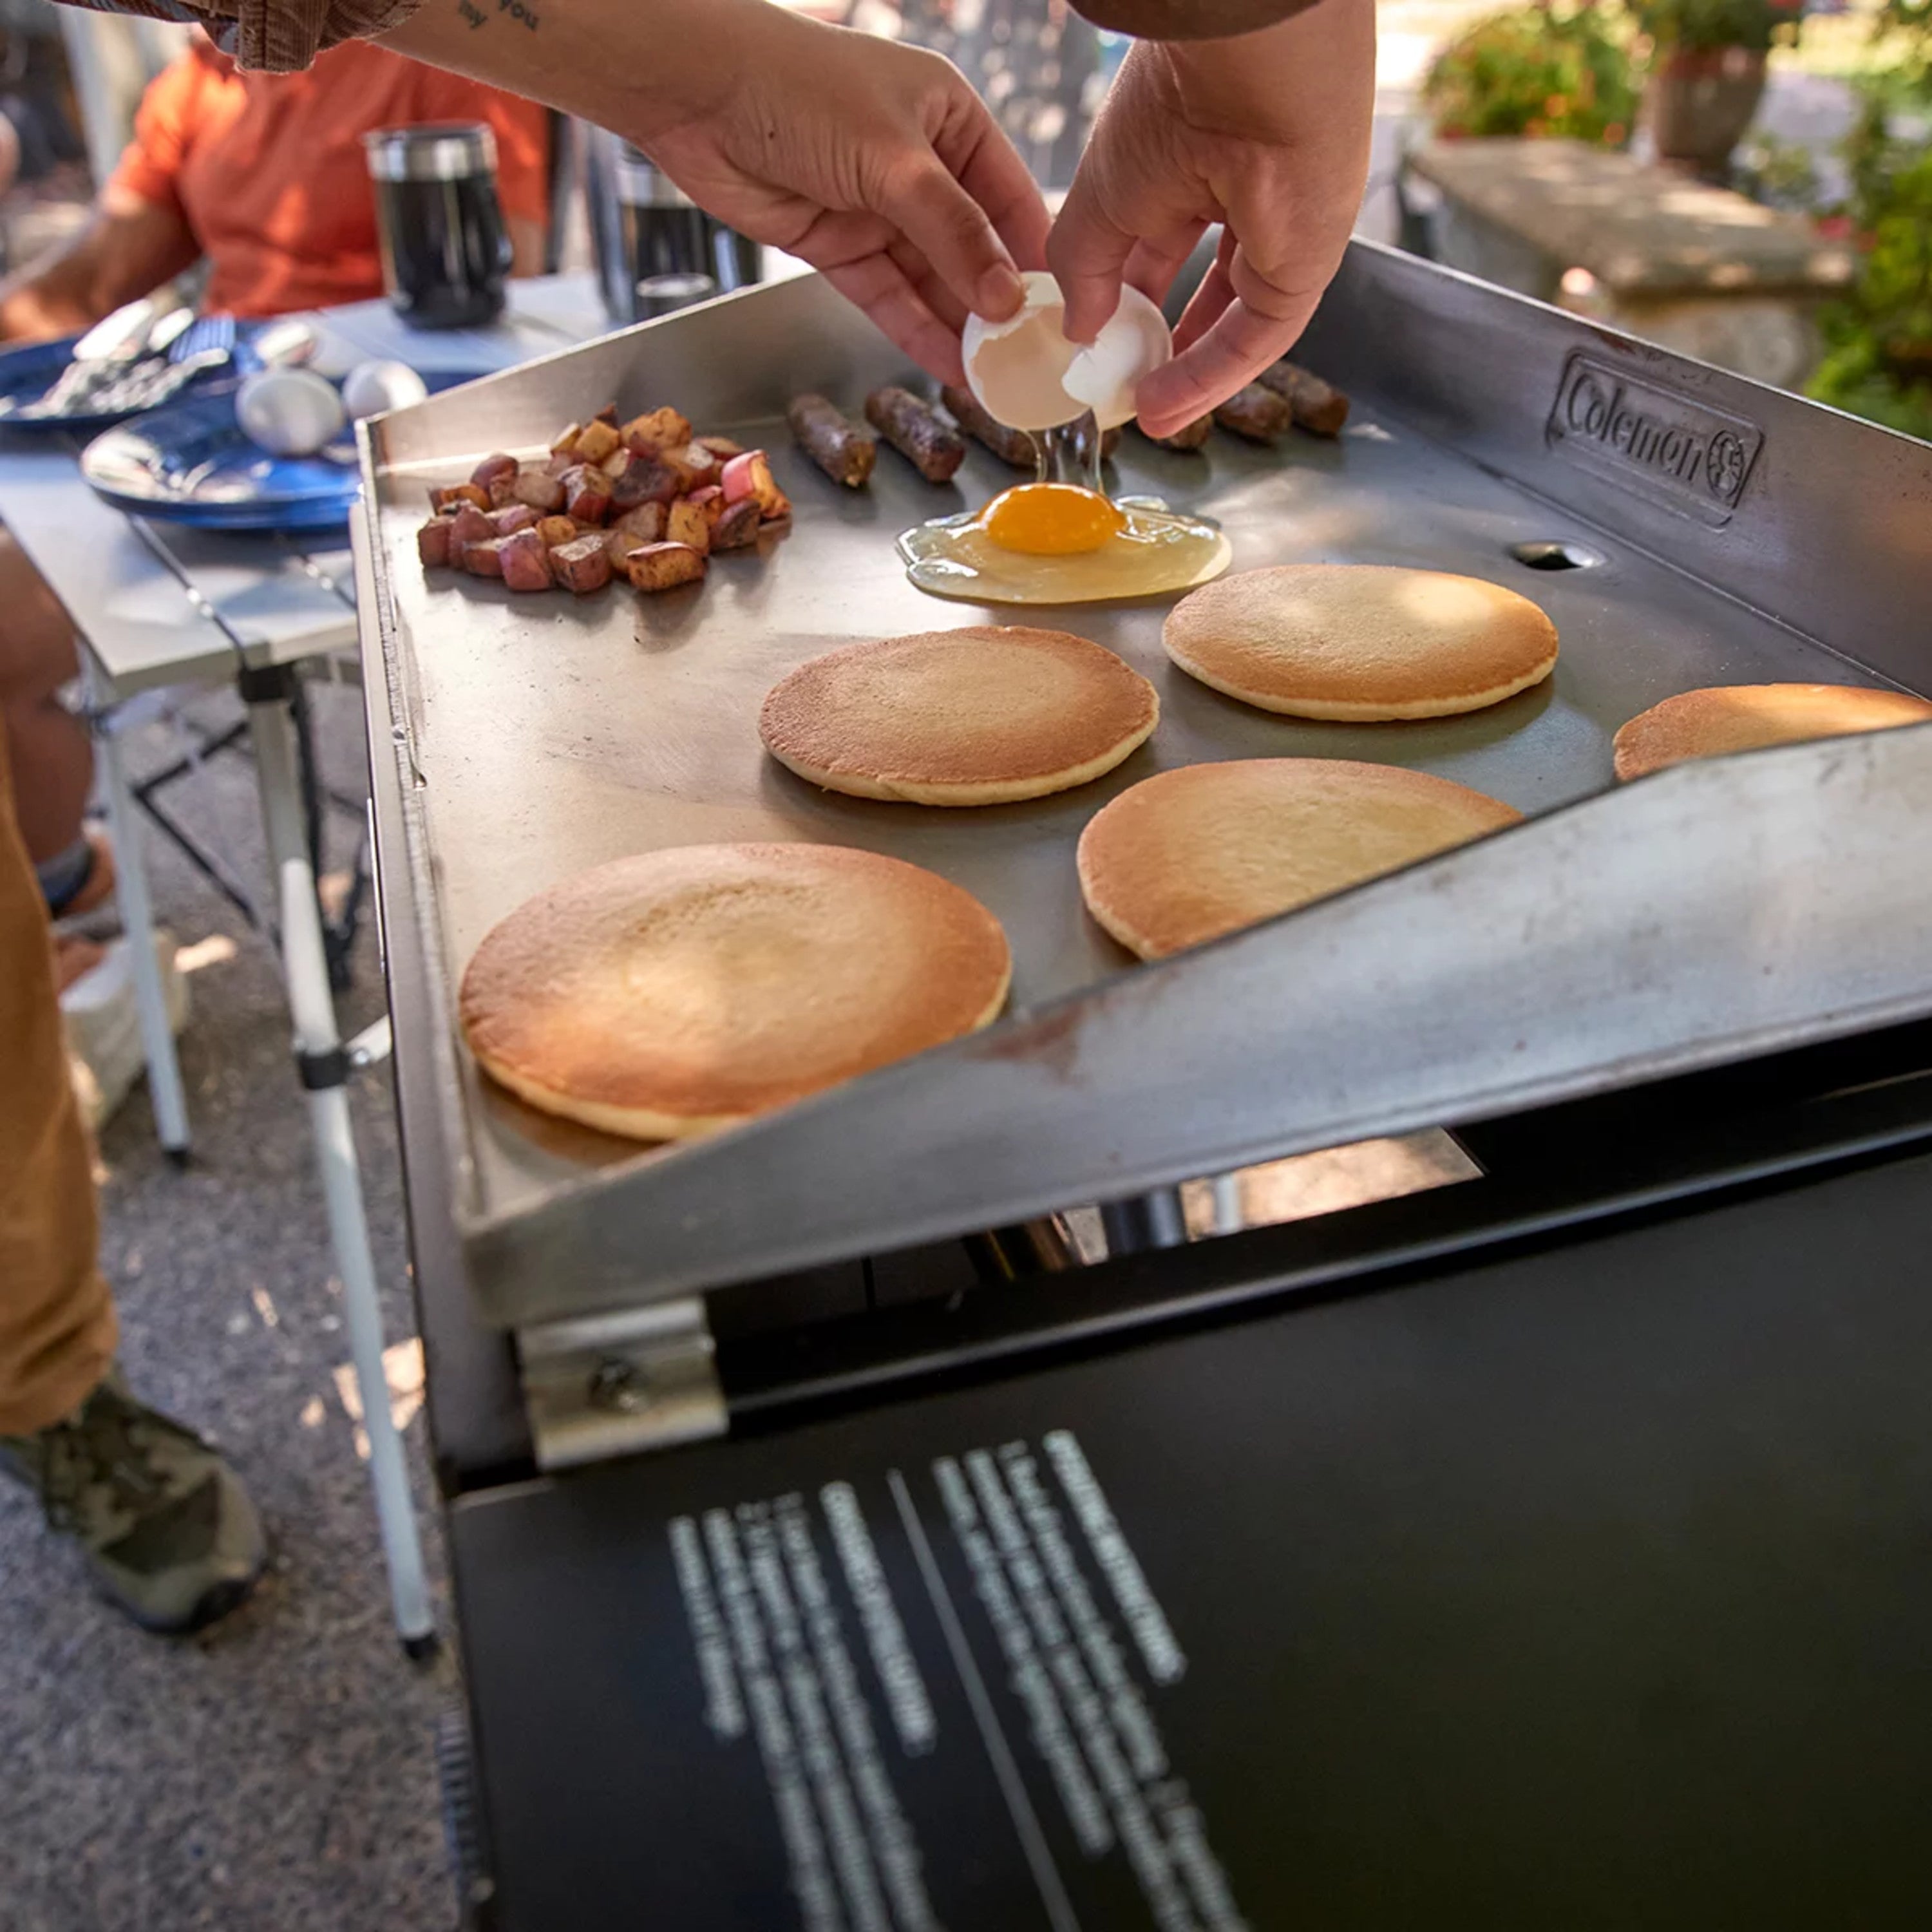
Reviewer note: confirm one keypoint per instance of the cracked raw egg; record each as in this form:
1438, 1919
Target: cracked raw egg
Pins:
1058, 541
1055, 541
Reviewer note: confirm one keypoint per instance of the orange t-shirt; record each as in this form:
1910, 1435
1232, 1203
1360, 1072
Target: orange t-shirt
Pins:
268, 169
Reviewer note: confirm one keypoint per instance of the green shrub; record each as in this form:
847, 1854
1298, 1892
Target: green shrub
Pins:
1702, 26
1535, 71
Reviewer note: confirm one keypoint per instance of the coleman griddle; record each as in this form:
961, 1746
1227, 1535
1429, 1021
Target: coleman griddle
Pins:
853, 1528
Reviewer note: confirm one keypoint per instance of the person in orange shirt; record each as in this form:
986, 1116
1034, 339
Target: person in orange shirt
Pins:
264, 174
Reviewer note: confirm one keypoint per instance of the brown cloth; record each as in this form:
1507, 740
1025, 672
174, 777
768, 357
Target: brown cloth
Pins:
57, 1326
270, 36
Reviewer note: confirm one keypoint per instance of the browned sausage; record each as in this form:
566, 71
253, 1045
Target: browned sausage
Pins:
1189, 435
1318, 406
917, 431
1258, 414
844, 450
1015, 446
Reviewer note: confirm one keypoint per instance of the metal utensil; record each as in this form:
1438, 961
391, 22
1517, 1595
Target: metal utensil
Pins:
208, 340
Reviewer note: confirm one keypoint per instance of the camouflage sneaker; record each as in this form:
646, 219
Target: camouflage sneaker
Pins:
166, 1528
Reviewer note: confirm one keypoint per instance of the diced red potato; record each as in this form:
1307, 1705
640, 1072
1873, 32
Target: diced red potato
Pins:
484, 558
751, 475
472, 525
618, 545
738, 525
670, 497
432, 542
586, 494
644, 521
584, 564
663, 566
685, 522
656, 430
524, 561
595, 441
694, 464
543, 492
646, 480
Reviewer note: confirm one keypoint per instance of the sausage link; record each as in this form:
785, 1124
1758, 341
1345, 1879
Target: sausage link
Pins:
1254, 412
1013, 446
844, 450
917, 431
1318, 406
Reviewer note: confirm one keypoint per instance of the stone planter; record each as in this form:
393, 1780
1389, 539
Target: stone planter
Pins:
1699, 102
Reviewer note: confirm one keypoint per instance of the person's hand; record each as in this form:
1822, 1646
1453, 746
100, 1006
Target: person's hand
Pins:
875, 163
1268, 134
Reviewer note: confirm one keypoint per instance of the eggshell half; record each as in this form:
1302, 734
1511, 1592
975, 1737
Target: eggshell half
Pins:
1027, 375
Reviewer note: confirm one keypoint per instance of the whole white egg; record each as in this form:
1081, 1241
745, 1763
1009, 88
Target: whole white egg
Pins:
289, 412
1028, 375
370, 388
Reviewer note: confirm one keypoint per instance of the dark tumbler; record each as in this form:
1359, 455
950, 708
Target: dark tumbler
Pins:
663, 238
445, 251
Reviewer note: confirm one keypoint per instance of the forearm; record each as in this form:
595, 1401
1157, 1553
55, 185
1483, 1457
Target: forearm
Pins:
59, 295
1178, 20
583, 56
129, 248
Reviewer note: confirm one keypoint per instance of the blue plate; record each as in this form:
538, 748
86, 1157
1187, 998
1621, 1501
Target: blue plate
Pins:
27, 374
190, 463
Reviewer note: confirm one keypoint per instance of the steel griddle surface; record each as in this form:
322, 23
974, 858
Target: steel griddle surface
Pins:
553, 734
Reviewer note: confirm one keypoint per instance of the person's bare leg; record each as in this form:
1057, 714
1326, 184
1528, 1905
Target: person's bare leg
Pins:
48, 747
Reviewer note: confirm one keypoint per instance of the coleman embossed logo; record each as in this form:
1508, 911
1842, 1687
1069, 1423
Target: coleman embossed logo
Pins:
1698, 459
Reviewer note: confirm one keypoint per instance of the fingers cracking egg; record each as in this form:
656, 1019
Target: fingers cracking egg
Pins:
1027, 375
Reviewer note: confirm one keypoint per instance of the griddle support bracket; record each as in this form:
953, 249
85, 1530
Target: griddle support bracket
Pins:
601, 1386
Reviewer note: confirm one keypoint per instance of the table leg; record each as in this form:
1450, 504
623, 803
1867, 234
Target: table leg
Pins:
324, 1067
165, 1092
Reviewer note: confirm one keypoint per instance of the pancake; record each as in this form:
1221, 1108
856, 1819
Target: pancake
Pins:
667, 994
981, 715
1360, 641
1746, 717
1187, 855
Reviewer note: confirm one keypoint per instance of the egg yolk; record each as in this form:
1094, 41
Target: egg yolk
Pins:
1050, 520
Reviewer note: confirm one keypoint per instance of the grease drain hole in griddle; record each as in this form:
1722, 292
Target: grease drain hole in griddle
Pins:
1551, 555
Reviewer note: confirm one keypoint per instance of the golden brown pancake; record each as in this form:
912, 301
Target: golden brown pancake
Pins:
1360, 641
980, 716
1744, 717
1187, 855
678, 991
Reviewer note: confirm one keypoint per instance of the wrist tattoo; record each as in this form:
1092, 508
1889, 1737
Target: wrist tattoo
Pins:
472, 14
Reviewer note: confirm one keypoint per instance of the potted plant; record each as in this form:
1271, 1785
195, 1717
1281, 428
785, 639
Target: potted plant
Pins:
1556, 73
1707, 67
